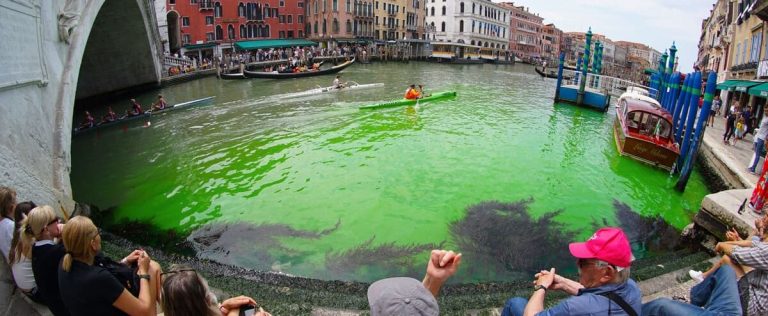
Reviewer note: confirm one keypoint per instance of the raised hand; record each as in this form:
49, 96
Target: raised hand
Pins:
442, 264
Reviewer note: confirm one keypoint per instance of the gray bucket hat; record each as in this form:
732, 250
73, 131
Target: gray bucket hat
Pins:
401, 296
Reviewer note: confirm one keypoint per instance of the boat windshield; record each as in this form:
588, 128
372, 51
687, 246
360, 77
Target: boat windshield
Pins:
649, 124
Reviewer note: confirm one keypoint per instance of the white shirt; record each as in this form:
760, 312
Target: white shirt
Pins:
22, 273
763, 131
336, 83
6, 234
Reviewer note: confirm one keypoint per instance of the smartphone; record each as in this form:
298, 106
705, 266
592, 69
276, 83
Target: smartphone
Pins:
247, 310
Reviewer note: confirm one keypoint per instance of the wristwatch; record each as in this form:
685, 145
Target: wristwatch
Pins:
539, 287
143, 276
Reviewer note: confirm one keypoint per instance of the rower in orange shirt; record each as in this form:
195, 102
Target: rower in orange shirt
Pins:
412, 93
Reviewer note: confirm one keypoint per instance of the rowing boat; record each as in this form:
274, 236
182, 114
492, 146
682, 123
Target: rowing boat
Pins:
148, 113
289, 75
401, 102
350, 85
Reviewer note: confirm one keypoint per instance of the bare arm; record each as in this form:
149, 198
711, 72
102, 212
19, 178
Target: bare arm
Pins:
145, 304
536, 303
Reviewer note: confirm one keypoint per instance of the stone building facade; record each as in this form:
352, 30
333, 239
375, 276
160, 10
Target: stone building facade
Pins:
475, 22
525, 36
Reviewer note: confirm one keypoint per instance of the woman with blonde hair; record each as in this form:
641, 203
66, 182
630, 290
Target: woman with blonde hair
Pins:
185, 292
89, 289
7, 223
40, 229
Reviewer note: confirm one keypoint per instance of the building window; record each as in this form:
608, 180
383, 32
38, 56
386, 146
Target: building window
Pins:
335, 5
754, 54
473, 8
231, 31
349, 26
243, 32
172, 1
281, 34
209, 20
282, 3
432, 11
315, 27
461, 7
186, 39
185, 21
335, 26
349, 7
443, 10
300, 19
219, 32
241, 10
290, 34
325, 26
442, 27
217, 9
300, 4
290, 19
209, 37
301, 34
281, 18
461, 26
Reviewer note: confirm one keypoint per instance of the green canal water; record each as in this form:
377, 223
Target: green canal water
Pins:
315, 187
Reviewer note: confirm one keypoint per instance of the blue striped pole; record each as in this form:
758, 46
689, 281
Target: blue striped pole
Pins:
662, 79
559, 77
693, 103
582, 84
578, 70
675, 92
683, 111
665, 99
680, 99
706, 108
654, 85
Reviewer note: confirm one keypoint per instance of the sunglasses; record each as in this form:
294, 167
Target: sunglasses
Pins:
582, 263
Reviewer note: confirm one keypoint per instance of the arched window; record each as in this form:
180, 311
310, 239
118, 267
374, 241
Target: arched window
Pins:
335, 26
315, 27
266, 31
443, 10
473, 8
251, 31
241, 10
432, 11
243, 31
473, 42
442, 27
217, 9
349, 26
231, 31
461, 7
461, 26
267, 11
479, 43
316, 12
219, 33
325, 26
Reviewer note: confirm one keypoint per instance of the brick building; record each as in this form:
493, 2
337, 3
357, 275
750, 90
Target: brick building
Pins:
525, 32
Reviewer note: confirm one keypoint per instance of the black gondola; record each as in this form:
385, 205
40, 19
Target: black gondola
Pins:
288, 75
550, 74
230, 76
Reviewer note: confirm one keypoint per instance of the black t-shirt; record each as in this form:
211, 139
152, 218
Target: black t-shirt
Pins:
90, 290
45, 267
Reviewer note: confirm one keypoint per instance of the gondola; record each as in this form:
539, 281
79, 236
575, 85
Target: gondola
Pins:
551, 74
289, 75
146, 114
231, 76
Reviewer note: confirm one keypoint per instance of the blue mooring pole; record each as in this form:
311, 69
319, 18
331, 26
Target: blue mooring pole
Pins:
693, 103
559, 77
679, 103
683, 112
675, 93
583, 82
706, 108
578, 70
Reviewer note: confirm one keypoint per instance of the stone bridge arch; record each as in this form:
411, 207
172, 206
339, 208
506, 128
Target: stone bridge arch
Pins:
55, 52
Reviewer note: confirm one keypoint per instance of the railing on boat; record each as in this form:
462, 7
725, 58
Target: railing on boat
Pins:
606, 84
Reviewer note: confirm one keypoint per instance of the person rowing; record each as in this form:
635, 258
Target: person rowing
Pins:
160, 104
88, 122
421, 92
337, 83
412, 93
135, 109
109, 117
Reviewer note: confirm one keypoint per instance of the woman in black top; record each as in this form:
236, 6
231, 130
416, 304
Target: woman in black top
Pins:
41, 227
88, 289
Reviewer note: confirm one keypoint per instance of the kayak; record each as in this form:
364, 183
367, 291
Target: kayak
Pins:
147, 113
401, 102
330, 89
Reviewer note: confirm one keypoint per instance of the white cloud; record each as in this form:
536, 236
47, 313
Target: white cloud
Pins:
656, 23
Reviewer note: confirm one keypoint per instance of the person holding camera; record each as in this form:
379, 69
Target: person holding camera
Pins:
185, 292
89, 289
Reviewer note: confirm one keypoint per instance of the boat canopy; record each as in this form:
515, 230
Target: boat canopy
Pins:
646, 118
273, 43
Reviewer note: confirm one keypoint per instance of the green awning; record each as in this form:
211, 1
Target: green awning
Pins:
726, 85
272, 43
743, 85
759, 90
199, 46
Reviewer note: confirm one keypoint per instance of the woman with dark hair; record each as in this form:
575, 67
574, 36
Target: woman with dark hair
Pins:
89, 289
21, 252
7, 204
185, 292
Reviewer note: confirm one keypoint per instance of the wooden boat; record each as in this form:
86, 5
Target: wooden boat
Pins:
642, 130
401, 102
146, 114
350, 85
551, 74
231, 76
289, 75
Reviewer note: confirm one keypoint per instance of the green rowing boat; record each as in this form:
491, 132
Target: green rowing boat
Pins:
393, 103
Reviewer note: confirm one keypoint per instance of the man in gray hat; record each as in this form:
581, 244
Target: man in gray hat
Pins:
408, 296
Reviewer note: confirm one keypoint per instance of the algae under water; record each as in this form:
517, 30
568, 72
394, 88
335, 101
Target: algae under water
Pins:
315, 187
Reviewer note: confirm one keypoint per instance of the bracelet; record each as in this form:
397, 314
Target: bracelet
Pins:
143, 276
540, 287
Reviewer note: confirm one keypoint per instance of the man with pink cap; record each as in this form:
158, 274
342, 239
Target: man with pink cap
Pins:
604, 286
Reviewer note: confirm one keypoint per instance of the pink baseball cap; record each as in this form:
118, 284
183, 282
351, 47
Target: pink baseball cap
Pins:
608, 244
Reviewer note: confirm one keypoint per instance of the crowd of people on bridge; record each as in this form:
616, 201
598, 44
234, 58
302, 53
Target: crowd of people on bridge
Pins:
60, 264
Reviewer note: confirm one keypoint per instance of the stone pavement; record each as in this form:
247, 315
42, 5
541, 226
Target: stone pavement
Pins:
735, 157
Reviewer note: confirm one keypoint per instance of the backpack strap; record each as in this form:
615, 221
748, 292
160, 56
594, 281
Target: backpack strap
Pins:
618, 300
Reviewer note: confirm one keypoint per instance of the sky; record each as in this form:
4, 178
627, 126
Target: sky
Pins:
656, 23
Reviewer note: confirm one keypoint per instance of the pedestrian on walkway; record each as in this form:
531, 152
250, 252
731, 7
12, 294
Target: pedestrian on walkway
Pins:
730, 122
759, 142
